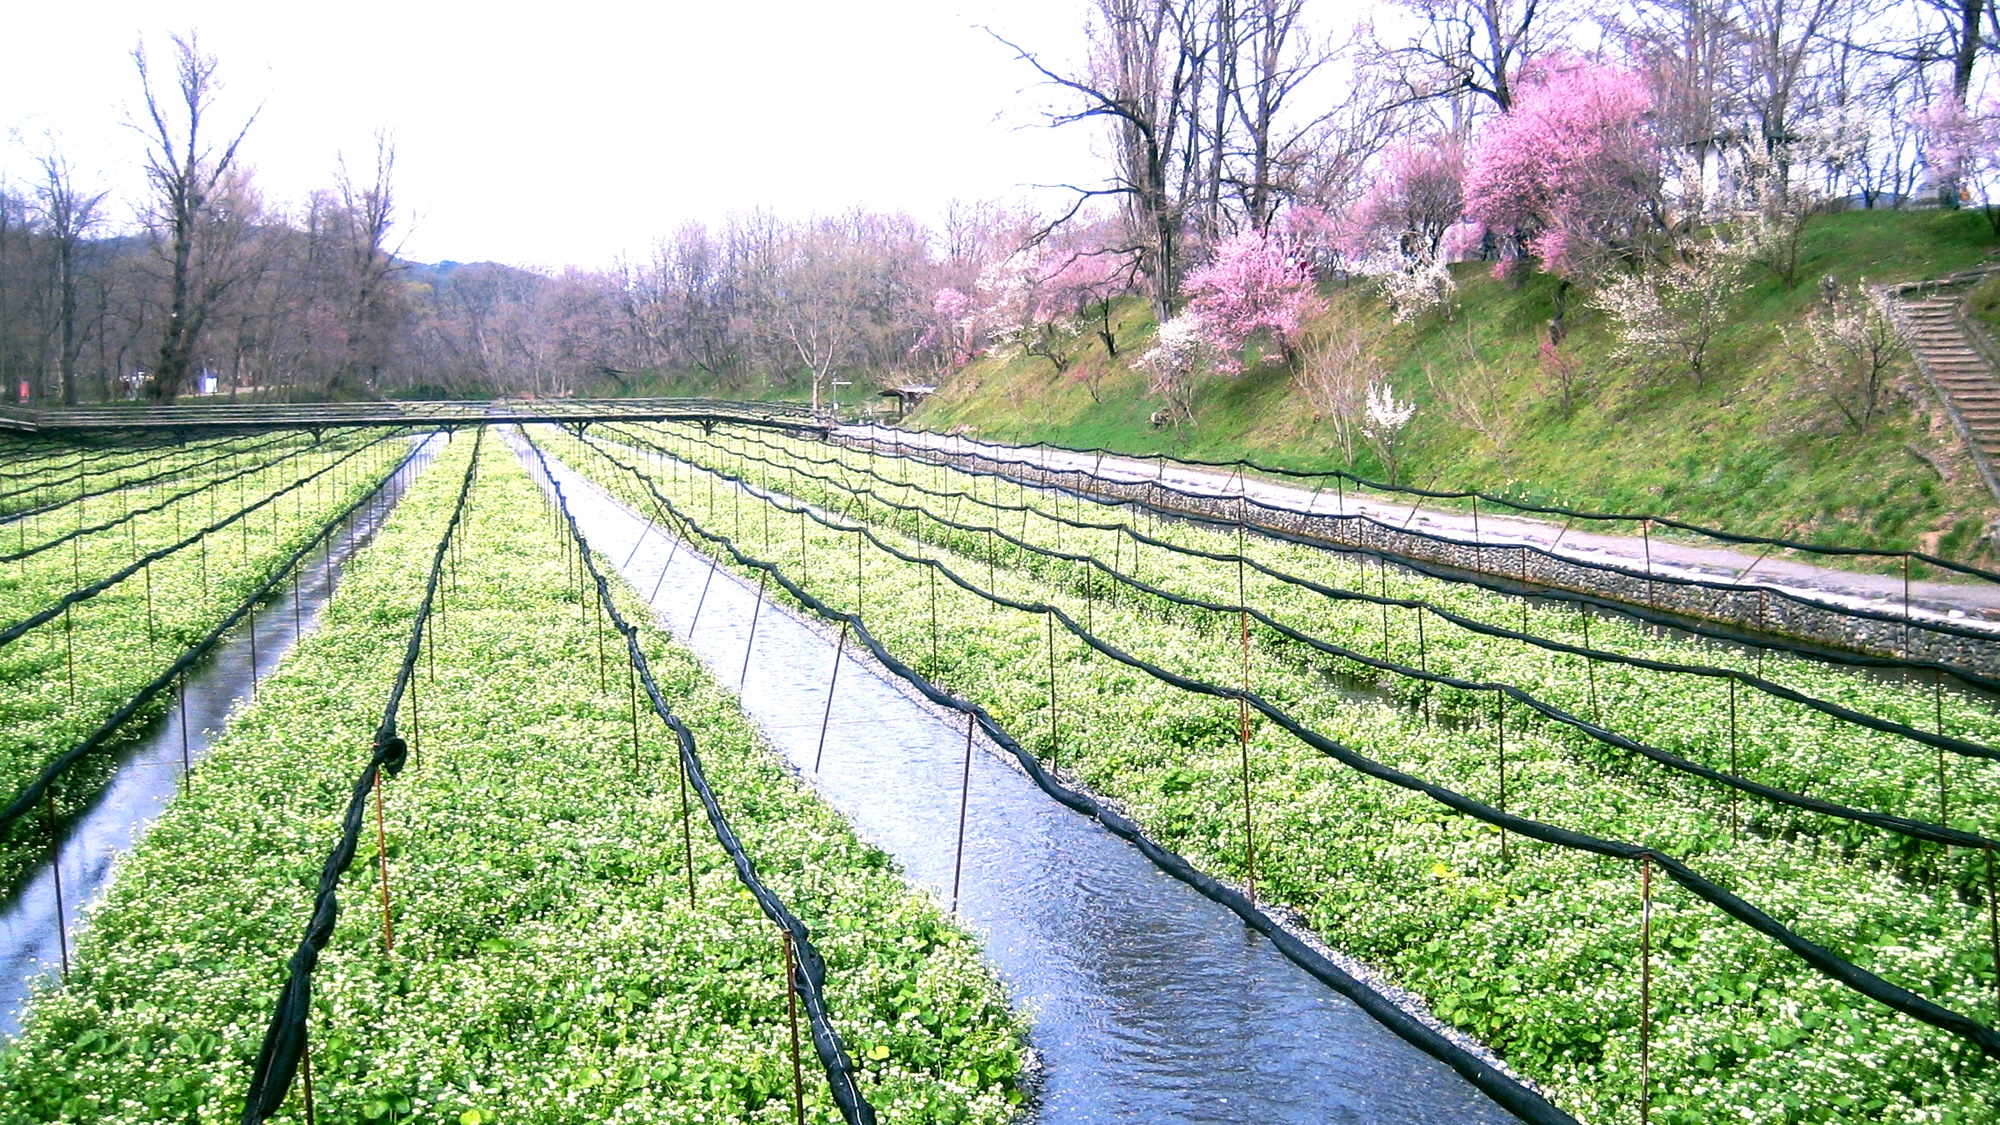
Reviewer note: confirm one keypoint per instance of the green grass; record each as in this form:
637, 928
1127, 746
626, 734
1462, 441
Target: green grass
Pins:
1756, 448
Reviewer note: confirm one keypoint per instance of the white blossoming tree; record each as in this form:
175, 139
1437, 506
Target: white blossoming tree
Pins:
1384, 424
1181, 352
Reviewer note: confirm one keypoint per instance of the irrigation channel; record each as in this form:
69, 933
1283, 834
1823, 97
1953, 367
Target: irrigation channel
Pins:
154, 767
1149, 1002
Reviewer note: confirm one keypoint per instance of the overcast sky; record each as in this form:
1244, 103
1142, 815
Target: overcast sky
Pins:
584, 130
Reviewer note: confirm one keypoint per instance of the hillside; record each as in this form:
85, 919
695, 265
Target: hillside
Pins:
1757, 448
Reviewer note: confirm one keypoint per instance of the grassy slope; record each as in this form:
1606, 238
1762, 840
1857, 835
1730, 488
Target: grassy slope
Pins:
1757, 449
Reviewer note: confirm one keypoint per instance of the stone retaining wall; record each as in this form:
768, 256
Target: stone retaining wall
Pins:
1749, 608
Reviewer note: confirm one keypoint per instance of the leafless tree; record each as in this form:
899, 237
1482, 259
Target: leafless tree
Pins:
1145, 78
1335, 374
189, 174
1475, 46
69, 216
367, 215
1275, 58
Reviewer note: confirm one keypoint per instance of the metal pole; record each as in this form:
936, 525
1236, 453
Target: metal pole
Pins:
1055, 743
703, 600
55, 869
1993, 922
306, 1060
1646, 532
250, 620
1500, 741
1590, 668
187, 766
632, 694
1243, 746
1906, 607
382, 855
1735, 824
832, 682
1423, 661
744, 676
687, 831
964, 797
1382, 567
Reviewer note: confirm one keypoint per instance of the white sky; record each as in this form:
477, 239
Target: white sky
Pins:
579, 130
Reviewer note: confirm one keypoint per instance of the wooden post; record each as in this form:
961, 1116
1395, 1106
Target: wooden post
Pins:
382, 855
1645, 987
792, 1005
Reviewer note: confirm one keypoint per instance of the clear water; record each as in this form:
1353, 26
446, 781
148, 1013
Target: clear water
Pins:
1149, 1003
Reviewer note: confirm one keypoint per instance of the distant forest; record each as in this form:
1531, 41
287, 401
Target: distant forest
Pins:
1247, 156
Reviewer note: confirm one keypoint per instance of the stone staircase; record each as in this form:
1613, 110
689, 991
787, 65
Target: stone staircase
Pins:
1957, 365
1957, 359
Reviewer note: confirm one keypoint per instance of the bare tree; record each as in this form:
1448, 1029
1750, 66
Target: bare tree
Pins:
1145, 78
1853, 348
1782, 51
69, 216
1474, 46
1475, 396
1274, 60
1335, 374
367, 214
188, 173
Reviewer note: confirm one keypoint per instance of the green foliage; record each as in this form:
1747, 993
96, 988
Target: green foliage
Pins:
1530, 947
1756, 450
112, 645
1982, 304
547, 964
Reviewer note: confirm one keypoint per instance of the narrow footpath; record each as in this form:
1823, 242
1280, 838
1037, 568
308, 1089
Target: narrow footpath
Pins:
1970, 602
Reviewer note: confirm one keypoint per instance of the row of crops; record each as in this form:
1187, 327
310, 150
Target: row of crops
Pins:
462, 858
115, 576
1661, 878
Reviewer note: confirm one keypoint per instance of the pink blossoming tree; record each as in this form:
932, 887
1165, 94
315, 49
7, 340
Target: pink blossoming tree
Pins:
1570, 168
1413, 205
954, 333
1253, 284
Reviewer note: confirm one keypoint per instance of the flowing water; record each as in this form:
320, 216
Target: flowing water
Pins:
1149, 1003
